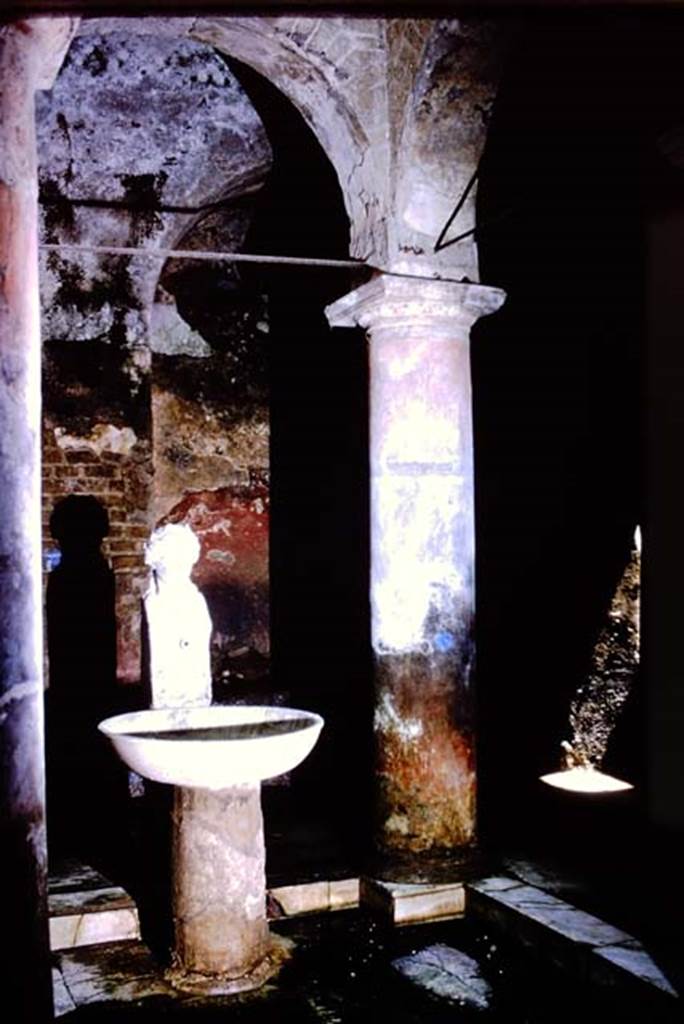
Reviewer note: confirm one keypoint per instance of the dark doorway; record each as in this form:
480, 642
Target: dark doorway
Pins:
319, 482
86, 788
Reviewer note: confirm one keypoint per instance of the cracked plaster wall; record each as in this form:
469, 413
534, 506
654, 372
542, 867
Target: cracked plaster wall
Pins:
108, 164
211, 441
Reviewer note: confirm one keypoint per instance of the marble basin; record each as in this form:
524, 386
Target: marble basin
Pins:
213, 747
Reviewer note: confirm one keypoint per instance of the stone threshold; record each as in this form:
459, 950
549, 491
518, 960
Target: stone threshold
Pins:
398, 903
593, 951
312, 897
86, 909
401, 903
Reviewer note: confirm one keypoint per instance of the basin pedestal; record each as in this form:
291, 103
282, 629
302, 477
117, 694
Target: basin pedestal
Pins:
216, 758
222, 940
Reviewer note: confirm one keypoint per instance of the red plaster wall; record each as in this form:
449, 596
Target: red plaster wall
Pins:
233, 568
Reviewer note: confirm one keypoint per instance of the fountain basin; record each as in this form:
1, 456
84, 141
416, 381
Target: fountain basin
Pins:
214, 747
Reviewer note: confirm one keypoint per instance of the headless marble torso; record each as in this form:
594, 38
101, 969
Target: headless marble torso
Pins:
178, 621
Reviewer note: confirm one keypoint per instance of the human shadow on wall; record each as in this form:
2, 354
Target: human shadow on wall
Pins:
86, 788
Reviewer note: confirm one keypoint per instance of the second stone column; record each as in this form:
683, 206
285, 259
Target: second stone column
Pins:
422, 554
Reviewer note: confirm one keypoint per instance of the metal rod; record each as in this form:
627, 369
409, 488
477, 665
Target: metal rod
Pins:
440, 243
201, 254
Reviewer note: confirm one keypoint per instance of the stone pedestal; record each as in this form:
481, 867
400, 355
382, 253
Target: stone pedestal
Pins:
422, 553
222, 941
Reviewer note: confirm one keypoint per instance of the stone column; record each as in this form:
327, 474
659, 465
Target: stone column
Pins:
219, 899
27, 987
422, 553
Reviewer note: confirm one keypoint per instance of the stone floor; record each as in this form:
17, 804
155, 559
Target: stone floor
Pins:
85, 908
341, 971
354, 964
349, 966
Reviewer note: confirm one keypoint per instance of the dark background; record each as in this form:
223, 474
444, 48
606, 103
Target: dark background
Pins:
571, 439
578, 411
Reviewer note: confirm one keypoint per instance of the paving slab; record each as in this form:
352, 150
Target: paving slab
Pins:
561, 917
620, 965
448, 974
120, 990
114, 959
112, 972
544, 877
592, 949
61, 997
497, 883
75, 876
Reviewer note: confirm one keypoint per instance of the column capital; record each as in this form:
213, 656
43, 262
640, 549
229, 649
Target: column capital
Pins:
391, 300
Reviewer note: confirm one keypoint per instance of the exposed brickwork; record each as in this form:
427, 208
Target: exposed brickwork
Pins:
121, 482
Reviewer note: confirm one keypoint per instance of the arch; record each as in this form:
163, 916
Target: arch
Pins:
443, 132
327, 70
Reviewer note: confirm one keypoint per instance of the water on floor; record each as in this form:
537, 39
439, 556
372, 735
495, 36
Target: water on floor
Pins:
342, 972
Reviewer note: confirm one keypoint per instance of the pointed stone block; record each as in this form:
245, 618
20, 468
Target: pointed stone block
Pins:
579, 943
448, 974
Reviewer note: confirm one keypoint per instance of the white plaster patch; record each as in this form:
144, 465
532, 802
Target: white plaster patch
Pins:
215, 555
255, 906
67, 322
200, 513
20, 691
388, 719
426, 209
415, 562
425, 434
397, 823
138, 364
104, 437
171, 335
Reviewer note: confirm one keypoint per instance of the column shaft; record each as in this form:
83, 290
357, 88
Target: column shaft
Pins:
22, 823
219, 899
422, 554
422, 587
